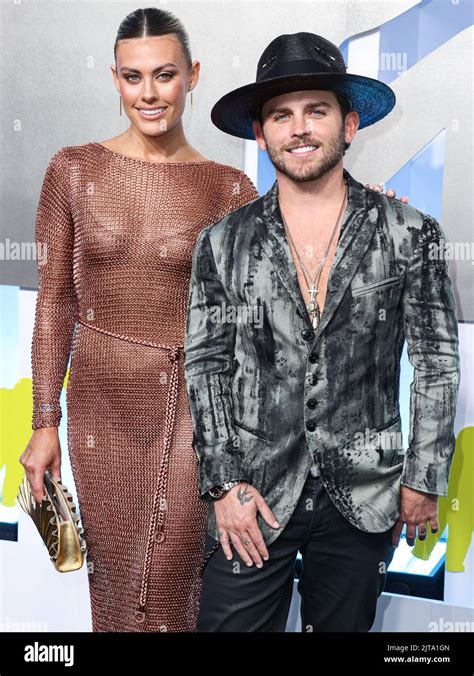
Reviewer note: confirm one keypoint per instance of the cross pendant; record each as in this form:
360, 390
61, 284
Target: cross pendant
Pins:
313, 291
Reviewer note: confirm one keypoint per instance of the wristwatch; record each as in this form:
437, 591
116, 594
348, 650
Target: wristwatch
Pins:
218, 492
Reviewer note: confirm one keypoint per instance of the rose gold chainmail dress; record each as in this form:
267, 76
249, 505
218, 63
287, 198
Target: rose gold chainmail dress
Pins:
113, 292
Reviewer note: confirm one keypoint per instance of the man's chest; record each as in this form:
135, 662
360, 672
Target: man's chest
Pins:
312, 255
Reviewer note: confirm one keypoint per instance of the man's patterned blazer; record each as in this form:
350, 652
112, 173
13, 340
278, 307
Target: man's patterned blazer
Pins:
269, 395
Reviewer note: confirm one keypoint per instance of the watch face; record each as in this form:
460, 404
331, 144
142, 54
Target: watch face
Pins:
215, 492
218, 491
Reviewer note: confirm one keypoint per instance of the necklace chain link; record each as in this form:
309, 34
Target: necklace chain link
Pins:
312, 306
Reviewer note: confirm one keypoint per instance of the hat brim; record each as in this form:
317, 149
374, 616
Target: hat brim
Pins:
234, 112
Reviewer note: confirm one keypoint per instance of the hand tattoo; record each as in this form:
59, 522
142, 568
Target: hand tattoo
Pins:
243, 495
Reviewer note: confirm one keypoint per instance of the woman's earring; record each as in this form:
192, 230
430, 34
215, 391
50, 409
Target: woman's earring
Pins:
191, 99
120, 98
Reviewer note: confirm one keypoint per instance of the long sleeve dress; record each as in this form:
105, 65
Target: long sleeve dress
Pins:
113, 293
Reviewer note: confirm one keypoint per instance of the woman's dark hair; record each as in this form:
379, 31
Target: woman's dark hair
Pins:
344, 105
150, 22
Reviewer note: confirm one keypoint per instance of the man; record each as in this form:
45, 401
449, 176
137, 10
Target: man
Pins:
299, 306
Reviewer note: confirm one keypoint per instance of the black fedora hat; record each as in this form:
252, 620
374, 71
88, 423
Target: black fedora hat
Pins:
296, 62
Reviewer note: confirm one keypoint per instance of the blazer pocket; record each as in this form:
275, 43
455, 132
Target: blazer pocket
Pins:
250, 430
385, 425
375, 286
387, 440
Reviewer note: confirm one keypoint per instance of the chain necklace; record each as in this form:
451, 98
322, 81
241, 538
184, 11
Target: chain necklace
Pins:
312, 306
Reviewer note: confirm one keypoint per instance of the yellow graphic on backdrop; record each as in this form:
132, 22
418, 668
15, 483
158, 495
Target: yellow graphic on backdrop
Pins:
456, 510
16, 406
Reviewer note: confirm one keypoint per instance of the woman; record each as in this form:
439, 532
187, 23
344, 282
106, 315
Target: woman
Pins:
120, 219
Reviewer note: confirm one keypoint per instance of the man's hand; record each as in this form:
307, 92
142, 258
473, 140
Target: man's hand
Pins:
236, 521
416, 508
390, 192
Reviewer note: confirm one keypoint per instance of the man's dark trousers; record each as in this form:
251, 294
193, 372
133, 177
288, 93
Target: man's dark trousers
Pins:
344, 573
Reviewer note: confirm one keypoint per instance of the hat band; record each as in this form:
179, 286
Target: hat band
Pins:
298, 67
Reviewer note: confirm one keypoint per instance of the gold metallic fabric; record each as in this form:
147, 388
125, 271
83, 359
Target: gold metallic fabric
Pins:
57, 522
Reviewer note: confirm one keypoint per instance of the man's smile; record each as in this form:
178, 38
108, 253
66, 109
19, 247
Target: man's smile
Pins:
303, 150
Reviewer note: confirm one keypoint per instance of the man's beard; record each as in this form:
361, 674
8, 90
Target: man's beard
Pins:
327, 157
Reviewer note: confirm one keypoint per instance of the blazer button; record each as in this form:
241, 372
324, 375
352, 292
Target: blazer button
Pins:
311, 403
311, 425
313, 358
307, 334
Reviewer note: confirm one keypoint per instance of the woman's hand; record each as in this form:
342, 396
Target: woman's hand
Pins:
390, 192
42, 452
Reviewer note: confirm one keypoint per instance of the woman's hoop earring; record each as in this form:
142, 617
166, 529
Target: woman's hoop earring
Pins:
120, 99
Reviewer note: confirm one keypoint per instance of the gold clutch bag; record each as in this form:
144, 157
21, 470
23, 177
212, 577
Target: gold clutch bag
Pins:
57, 522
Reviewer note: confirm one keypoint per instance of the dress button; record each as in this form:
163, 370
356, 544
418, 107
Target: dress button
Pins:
307, 334
139, 617
311, 425
158, 536
311, 403
313, 358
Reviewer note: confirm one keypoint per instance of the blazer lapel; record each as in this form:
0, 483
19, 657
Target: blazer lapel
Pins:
356, 233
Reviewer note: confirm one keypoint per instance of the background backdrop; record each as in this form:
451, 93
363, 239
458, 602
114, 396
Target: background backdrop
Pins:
58, 91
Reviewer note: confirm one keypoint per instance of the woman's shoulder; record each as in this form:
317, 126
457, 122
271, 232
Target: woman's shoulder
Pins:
66, 154
237, 179
230, 170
